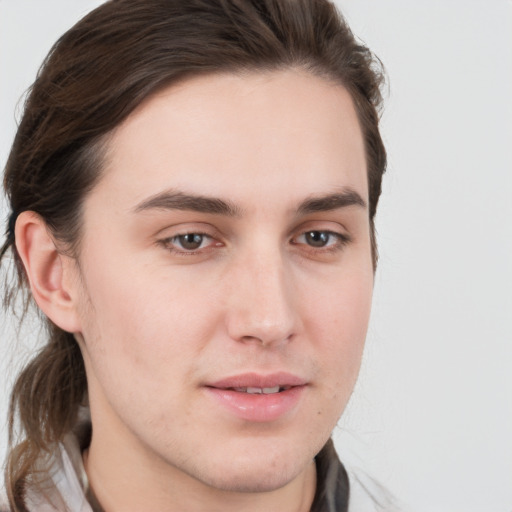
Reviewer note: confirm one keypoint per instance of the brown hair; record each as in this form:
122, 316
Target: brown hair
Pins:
94, 76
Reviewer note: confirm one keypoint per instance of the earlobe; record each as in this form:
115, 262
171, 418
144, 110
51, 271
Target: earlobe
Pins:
45, 268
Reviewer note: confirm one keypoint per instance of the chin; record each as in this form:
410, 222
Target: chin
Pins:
264, 470
239, 480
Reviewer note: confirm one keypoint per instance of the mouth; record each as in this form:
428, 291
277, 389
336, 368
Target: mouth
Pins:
257, 398
255, 383
261, 391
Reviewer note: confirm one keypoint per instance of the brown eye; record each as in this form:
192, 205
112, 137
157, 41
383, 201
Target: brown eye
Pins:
190, 244
322, 240
190, 241
317, 238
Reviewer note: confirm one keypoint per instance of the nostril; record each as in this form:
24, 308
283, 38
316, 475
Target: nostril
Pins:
266, 340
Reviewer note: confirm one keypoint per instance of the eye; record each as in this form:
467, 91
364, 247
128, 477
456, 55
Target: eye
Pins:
317, 238
320, 239
188, 242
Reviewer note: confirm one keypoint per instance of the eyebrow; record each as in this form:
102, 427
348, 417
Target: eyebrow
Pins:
170, 200
180, 201
347, 197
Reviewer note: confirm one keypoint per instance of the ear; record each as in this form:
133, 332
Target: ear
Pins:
47, 271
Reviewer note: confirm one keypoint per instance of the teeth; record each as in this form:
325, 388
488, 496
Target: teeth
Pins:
254, 391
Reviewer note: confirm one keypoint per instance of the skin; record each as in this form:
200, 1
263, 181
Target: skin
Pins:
156, 322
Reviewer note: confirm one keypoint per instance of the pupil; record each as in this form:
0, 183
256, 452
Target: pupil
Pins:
317, 238
191, 241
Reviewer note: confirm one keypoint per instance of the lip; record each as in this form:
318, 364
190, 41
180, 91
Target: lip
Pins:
259, 408
259, 381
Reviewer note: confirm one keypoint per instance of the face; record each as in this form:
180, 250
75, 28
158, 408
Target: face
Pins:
226, 278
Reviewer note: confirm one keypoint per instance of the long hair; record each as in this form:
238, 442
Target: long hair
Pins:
93, 78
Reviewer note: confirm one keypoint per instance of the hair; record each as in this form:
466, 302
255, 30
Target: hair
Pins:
95, 75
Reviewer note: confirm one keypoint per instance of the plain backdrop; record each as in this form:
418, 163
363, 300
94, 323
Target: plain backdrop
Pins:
431, 417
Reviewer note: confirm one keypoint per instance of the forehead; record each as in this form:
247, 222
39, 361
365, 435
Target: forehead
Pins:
282, 130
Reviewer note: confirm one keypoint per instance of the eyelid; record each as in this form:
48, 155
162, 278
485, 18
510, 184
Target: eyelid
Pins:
215, 239
187, 228
334, 234
168, 236
331, 226
341, 236
171, 244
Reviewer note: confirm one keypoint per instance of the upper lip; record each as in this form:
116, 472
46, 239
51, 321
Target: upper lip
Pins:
255, 380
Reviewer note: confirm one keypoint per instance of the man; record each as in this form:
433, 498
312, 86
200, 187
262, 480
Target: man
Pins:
193, 188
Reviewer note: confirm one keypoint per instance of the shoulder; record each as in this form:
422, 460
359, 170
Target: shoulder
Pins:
368, 495
342, 487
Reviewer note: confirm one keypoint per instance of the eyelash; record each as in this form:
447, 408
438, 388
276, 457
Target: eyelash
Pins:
170, 244
339, 242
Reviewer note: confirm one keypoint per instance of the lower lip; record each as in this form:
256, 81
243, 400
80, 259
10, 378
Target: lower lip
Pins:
258, 407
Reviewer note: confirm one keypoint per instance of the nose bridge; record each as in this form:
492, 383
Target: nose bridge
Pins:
262, 302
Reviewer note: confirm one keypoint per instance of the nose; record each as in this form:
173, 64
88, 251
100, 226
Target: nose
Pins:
262, 304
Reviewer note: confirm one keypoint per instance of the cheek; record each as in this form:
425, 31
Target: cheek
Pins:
146, 325
338, 317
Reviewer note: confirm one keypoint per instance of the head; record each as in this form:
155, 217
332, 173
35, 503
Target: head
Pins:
234, 145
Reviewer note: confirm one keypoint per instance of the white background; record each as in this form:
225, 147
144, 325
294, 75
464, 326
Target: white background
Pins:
431, 417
